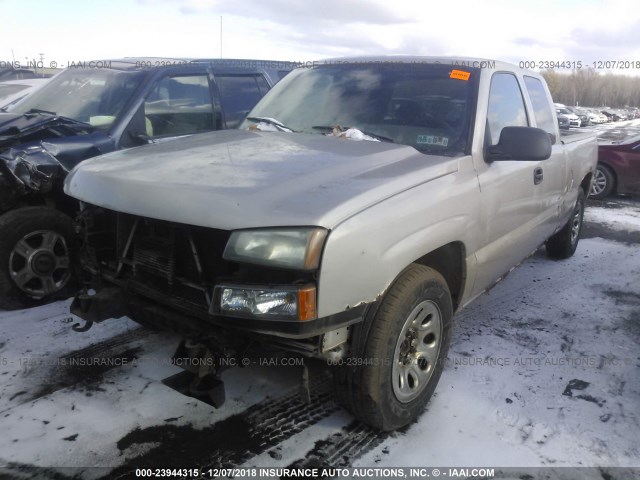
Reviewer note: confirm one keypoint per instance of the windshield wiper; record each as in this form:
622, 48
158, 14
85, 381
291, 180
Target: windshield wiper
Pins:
370, 134
272, 121
37, 110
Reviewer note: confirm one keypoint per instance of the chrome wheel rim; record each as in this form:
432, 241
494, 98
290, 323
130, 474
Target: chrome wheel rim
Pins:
599, 183
39, 263
416, 353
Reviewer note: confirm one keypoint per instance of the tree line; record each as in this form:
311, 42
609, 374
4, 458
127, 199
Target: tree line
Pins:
589, 88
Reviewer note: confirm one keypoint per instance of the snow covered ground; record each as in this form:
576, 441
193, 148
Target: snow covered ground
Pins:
543, 371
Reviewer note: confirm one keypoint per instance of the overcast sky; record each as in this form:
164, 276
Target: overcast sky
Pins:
298, 30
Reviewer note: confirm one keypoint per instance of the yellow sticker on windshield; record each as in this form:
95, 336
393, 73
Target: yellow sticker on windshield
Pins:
460, 75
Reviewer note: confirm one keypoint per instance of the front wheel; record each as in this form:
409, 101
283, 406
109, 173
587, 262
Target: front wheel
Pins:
564, 243
603, 183
37, 245
388, 384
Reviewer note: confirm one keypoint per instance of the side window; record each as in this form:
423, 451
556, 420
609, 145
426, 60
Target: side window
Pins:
506, 106
239, 94
545, 116
179, 105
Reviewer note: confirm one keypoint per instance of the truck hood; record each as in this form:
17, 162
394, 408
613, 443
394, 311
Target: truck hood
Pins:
242, 179
16, 129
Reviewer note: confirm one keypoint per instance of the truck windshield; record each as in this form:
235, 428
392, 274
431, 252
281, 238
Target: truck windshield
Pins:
93, 96
424, 105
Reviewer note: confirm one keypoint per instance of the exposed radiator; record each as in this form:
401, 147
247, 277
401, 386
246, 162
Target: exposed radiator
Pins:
155, 256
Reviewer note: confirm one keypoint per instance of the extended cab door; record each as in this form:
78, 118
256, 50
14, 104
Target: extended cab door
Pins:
554, 182
511, 202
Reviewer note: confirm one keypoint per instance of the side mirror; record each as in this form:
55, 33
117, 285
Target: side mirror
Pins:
521, 143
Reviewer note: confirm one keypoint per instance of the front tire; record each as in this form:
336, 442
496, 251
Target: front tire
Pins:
37, 247
564, 243
389, 381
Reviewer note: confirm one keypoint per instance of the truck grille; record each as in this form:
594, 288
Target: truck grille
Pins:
156, 258
172, 263
178, 261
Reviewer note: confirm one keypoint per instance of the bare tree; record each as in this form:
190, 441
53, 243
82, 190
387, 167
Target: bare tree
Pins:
587, 87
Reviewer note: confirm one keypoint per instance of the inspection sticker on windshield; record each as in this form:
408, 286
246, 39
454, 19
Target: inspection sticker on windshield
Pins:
459, 74
432, 140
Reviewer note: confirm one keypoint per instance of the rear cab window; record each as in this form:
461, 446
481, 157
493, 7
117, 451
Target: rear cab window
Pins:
542, 111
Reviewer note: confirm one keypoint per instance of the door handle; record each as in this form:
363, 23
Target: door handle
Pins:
538, 175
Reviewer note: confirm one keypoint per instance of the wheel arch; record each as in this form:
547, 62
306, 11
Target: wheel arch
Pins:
586, 183
449, 261
54, 199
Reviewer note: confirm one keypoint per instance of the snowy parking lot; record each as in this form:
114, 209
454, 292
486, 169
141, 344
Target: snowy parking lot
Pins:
543, 371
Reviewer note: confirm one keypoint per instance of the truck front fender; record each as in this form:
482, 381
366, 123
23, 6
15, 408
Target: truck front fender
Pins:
365, 254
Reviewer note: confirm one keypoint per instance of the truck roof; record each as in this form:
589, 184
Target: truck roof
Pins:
470, 62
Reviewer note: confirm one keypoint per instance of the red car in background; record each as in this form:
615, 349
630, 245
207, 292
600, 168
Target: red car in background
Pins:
618, 168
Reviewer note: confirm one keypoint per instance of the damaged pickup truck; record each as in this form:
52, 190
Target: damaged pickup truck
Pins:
84, 112
353, 245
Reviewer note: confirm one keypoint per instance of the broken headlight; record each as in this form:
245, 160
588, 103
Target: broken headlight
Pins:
296, 248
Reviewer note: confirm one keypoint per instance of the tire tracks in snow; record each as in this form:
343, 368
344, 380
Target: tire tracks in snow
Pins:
232, 441
341, 449
83, 367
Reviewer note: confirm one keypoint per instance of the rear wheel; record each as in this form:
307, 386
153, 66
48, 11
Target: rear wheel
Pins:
36, 250
389, 382
603, 183
564, 243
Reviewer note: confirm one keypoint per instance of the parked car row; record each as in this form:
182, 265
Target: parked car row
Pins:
585, 116
620, 114
574, 120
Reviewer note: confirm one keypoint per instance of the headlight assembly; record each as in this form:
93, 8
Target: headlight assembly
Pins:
269, 303
295, 248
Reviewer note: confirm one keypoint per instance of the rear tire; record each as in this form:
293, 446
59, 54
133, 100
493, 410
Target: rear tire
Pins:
603, 183
37, 250
394, 370
564, 243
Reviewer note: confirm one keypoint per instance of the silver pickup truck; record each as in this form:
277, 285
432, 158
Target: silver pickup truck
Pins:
360, 204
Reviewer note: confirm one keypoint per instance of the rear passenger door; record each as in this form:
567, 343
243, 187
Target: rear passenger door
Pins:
179, 104
549, 193
238, 95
